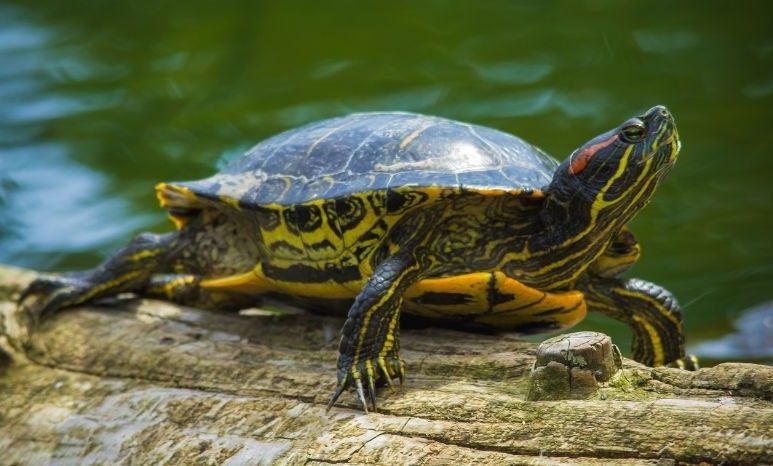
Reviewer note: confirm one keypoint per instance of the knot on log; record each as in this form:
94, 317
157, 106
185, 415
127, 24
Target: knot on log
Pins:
571, 366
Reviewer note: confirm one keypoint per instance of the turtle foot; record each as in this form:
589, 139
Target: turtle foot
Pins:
49, 293
365, 375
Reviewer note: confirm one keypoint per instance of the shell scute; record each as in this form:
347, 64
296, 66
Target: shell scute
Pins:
360, 153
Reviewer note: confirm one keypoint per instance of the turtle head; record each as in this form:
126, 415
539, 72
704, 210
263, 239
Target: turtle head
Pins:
604, 183
613, 175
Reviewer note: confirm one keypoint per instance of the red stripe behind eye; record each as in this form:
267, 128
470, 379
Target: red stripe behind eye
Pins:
580, 161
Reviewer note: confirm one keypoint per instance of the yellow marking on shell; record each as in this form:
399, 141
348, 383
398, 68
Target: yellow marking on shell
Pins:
536, 194
284, 234
175, 195
159, 195
657, 344
411, 137
228, 200
170, 196
288, 184
322, 235
322, 138
351, 238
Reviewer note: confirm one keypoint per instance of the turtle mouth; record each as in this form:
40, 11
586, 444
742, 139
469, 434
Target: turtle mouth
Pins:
674, 143
667, 141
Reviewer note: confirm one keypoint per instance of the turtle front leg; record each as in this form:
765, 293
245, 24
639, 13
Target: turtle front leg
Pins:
652, 313
128, 270
368, 351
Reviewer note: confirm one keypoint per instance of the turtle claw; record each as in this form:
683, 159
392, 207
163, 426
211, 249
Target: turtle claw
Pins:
360, 393
372, 393
42, 285
53, 292
363, 377
385, 375
339, 389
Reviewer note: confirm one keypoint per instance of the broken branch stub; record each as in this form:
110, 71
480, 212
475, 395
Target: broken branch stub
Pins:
571, 366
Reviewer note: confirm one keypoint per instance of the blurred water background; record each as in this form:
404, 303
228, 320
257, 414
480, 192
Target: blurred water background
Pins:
101, 100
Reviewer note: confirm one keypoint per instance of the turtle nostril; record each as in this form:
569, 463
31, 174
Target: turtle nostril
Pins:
658, 112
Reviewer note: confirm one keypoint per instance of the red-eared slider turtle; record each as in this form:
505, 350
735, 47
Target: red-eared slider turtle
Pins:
377, 212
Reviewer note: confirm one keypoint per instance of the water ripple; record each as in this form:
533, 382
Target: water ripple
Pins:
665, 42
54, 206
530, 103
513, 72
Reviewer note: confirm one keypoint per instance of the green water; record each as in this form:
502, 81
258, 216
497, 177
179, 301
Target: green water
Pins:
101, 100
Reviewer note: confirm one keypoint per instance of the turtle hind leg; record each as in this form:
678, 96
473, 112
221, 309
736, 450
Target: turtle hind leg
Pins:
127, 270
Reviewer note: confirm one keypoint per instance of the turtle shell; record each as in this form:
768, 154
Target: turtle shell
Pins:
364, 152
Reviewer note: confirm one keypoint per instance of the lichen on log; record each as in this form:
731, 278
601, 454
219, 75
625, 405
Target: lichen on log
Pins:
148, 382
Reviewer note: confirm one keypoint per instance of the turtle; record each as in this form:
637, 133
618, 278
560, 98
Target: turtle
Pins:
372, 214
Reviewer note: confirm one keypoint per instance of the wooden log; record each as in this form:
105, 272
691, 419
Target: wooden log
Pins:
147, 382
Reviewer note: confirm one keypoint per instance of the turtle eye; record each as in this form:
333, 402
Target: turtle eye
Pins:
633, 132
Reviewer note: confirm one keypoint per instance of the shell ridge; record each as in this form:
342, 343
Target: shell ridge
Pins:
372, 133
485, 141
268, 157
316, 143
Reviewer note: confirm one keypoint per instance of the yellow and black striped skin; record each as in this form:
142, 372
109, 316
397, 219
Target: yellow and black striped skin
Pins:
439, 218
465, 284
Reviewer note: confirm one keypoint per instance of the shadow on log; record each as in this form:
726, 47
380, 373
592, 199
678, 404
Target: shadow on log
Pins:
146, 382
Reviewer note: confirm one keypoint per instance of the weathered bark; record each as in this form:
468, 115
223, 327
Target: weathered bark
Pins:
573, 365
148, 382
